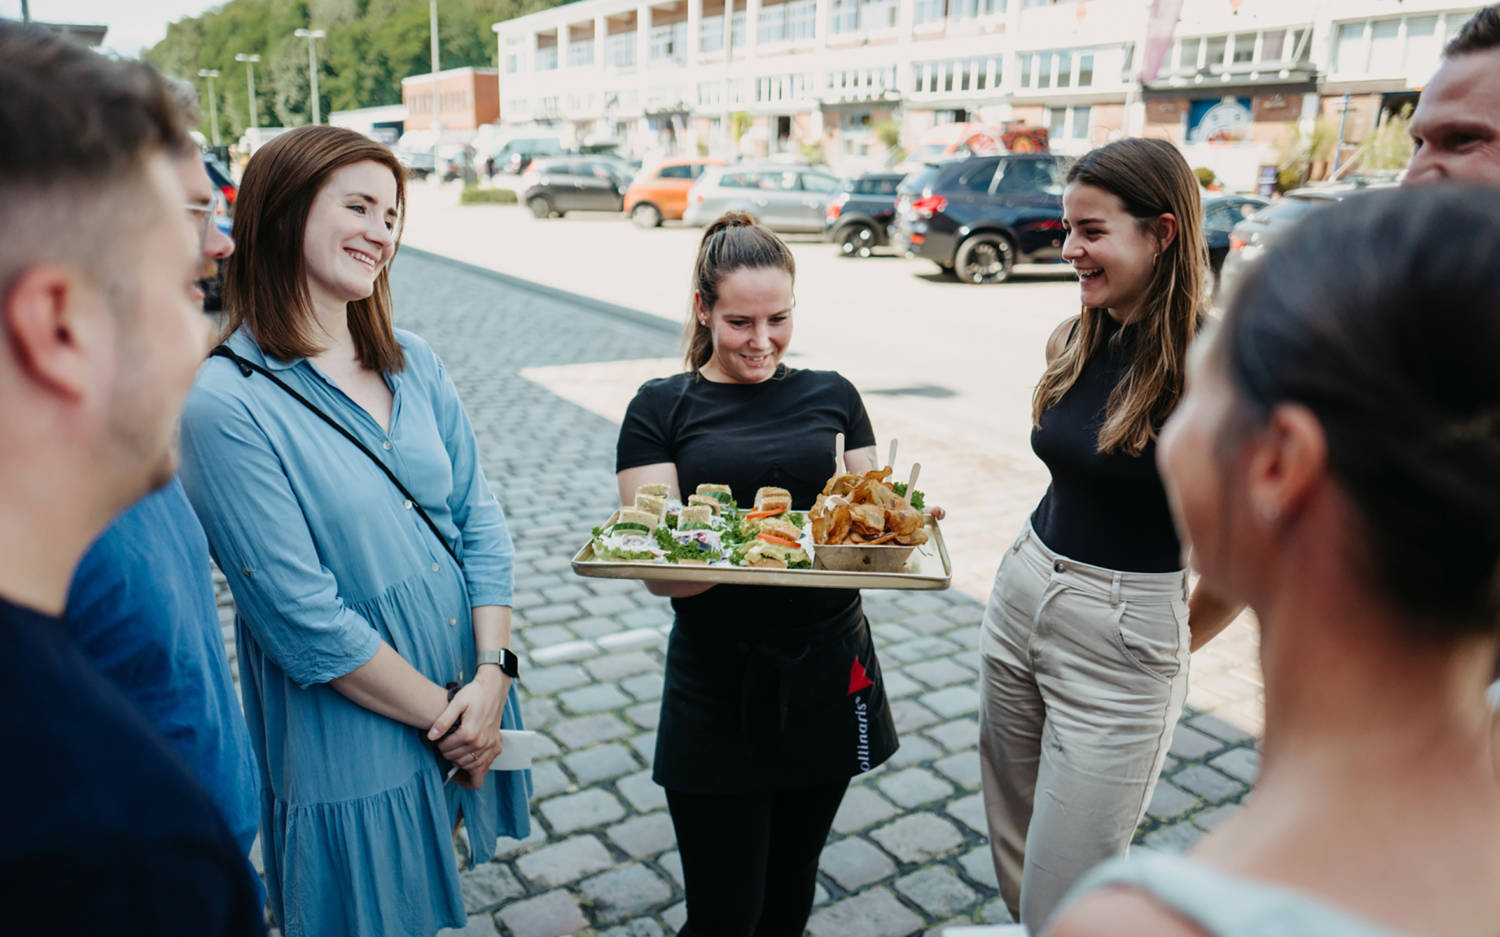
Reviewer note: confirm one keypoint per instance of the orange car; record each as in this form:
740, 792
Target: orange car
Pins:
661, 191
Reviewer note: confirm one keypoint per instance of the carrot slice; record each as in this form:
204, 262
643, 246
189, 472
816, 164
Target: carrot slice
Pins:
756, 515
779, 541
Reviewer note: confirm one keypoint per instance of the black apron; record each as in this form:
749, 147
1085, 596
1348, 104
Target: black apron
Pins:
752, 706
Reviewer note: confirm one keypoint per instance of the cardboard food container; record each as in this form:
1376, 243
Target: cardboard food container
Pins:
862, 558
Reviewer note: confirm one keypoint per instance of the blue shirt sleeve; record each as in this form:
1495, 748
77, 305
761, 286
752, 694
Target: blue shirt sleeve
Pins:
488, 552
289, 600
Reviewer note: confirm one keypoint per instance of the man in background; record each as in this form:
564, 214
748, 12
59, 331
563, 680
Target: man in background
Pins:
1456, 126
141, 606
103, 831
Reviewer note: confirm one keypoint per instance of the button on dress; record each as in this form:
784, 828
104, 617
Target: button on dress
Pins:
325, 563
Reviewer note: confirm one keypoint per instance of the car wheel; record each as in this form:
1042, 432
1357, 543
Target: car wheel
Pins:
540, 206
645, 215
985, 258
858, 240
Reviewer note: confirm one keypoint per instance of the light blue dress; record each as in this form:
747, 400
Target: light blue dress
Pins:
326, 561
1221, 904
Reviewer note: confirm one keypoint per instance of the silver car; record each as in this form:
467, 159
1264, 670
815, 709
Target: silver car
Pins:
781, 197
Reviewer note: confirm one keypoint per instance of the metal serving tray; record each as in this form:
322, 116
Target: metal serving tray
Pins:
927, 568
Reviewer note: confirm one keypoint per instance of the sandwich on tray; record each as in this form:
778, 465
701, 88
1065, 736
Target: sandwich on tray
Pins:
629, 538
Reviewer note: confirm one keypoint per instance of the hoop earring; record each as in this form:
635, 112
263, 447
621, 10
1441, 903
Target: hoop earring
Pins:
1153, 260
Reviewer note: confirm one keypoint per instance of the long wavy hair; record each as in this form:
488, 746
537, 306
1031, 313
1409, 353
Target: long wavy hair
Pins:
265, 279
1152, 179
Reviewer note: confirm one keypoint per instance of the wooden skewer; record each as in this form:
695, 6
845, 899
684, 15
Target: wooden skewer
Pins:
838, 454
892, 460
911, 481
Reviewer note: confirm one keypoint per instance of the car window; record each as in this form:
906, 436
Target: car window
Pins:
885, 185
698, 169
917, 181
817, 182
1288, 209
680, 171
777, 181
739, 180
1029, 177
1221, 217
978, 178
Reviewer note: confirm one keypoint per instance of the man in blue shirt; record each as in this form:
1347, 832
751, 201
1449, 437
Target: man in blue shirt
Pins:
103, 830
141, 607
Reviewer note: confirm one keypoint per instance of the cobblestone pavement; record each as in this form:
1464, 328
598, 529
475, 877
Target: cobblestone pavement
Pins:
907, 855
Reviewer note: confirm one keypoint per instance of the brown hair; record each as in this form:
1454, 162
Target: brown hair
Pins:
1151, 178
79, 130
265, 280
1378, 315
1480, 34
734, 242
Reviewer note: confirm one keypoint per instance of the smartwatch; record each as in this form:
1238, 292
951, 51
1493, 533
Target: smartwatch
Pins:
505, 659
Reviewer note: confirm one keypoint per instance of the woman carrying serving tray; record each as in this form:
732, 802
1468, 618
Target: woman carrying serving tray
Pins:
1086, 635
773, 697
364, 580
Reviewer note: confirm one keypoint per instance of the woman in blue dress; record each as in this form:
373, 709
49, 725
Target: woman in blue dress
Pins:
367, 615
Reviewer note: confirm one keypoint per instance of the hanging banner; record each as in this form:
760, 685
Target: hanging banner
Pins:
1159, 29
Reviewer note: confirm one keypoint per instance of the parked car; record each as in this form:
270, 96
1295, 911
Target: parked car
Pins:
859, 218
660, 193
419, 164
1249, 238
218, 174
517, 153
977, 218
786, 198
562, 184
1220, 214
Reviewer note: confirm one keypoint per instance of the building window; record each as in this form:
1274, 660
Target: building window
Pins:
1069, 123
876, 15
581, 53
546, 59
1349, 47
1065, 69
1086, 70
801, 19
929, 11
620, 50
773, 23
1218, 47
711, 34
845, 17
1244, 49
669, 42
1385, 47
974, 9
740, 30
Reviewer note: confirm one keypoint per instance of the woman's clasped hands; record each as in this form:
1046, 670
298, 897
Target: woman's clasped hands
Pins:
475, 710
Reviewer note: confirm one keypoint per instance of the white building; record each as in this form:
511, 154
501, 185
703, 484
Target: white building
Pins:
840, 75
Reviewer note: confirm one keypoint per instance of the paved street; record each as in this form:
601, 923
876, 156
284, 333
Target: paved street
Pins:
907, 854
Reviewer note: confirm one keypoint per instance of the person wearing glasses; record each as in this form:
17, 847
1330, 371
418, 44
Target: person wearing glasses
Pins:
141, 604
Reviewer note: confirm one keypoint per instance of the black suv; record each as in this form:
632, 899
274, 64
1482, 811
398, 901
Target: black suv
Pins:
977, 218
859, 217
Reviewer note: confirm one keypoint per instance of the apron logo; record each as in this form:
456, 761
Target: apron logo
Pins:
858, 679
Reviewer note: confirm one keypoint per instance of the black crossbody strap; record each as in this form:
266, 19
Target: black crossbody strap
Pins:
247, 366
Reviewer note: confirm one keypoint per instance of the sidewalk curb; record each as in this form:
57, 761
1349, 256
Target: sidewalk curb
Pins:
585, 303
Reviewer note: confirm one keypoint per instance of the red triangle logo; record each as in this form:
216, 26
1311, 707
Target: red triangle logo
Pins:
858, 679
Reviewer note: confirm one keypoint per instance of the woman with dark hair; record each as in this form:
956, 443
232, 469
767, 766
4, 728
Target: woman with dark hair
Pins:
1335, 464
1086, 636
773, 697
364, 581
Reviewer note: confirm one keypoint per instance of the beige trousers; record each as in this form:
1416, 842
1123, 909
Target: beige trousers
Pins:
1085, 673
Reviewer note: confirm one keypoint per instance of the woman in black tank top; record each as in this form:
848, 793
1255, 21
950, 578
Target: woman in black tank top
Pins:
1086, 635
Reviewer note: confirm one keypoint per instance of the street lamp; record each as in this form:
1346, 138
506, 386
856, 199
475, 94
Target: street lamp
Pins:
250, 61
213, 104
437, 123
312, 36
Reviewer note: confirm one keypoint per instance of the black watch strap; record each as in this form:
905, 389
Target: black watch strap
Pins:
505, 659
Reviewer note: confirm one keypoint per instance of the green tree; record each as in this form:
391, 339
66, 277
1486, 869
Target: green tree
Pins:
370, 46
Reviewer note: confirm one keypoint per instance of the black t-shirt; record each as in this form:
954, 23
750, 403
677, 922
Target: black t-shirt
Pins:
105, 830
778, 432
1104, 509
